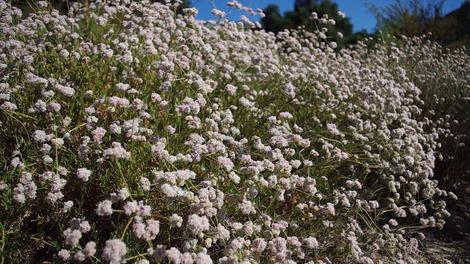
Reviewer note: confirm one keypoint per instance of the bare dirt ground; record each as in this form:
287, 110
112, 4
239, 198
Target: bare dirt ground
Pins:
451, 244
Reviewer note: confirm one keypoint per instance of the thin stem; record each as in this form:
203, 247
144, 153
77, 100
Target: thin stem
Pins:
125, 229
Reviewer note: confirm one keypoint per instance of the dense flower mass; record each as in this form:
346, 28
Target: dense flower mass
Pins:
133, 134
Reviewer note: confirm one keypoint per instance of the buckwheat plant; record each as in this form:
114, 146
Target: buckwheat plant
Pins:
133, 134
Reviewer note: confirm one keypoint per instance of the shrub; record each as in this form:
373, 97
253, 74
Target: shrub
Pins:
131, 134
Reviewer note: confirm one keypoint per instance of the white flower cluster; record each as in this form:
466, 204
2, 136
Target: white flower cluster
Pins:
72, 236
210, 141
83, 174
114, 251
148, 230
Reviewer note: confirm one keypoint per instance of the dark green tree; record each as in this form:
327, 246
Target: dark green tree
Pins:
273, 20
301, 17
303, 3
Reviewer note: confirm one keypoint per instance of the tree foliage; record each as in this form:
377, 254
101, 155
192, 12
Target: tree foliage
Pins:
301, 17
418, 17
408, 17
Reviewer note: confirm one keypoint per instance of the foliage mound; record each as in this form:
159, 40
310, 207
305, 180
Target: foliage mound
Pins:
133, 134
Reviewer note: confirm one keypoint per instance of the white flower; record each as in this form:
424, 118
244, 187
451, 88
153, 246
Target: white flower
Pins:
114, 251
231, 89
145, 183
104, 208
259, 245
122, 87
225, 163
3, 185
16, 162
8, 106
130, 207
67, 206
72, 237
84, 226
174, 255
217, 12
57, 142
65, 90
310, 242
79, 256
34, 79
222, 232
246, 207
203, 258
121, 195
83, 174
54, 106
289, 90
98, 134
176, 220
341, 14
40, 136
198, 224
118, 102
148, 230
64, 254
314, 15
234, 177
117, 151
332, 129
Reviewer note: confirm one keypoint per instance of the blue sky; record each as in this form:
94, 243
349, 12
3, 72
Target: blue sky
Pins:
356, 10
